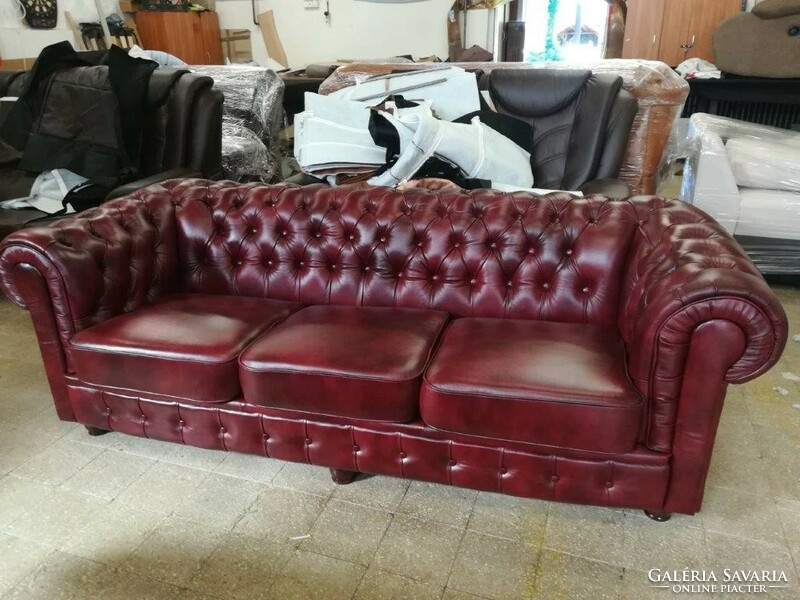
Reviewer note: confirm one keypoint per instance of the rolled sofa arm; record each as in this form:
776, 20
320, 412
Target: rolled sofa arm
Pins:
96, 265
685, 271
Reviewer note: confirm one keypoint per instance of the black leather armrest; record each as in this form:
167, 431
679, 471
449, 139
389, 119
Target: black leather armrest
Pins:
613, 188
128, 188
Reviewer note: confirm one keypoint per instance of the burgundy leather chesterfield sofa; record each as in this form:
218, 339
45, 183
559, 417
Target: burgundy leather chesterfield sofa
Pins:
573, 349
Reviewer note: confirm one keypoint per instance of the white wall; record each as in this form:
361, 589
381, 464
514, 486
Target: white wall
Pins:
357, 29
17, 40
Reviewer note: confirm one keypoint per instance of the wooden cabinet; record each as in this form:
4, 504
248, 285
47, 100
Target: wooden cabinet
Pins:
191, 36
673, 30
643, 29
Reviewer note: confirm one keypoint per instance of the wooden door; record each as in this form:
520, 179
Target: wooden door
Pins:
705, 21
209, 32
675, 32
643, 29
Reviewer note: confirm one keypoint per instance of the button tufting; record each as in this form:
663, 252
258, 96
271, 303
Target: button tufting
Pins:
554, 478
435, 278
609, 484
503, 470
383, 239
181, 422
531, 251
473, 281
493, 245
265, 437
356, 448
546, 286
569, 252
308, 441
351, 237
509, 283
452, 463
585, 290
402, 455
222, 430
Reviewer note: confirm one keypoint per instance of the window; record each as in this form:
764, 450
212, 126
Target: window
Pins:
568, 30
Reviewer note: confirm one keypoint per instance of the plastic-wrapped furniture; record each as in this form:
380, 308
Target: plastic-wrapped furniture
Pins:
747, 177
252, 117
573, 349
659, 91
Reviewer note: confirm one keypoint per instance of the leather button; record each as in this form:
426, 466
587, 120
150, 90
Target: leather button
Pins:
402, 455
531, 251
253, 230
546, 286
302, 264
452, 463
509, 283
367, 269
238, 262
265, 437
351, 237
554, 478
493, 245
585, 290
383, 239
435, 278
609, 484
284, 233
222, 430
456, 245
419, 244
569, 252
473, 281
181, 423
356, 448
503, 470
308, 441
317, 235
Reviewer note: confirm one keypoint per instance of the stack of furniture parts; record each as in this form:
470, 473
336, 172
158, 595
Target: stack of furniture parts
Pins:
572, 349
747, 177
658, 90
182, 136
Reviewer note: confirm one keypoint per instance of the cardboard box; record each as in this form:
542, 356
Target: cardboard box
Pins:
236, 45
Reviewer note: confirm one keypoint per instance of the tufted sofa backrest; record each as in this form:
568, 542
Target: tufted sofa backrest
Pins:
472, 254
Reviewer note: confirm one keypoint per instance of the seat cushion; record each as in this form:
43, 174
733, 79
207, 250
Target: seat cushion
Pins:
348, 361
183, 345
556, 384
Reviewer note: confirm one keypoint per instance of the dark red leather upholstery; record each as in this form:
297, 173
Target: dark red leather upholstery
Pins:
357, 362
689, 307
183, 345
555, 384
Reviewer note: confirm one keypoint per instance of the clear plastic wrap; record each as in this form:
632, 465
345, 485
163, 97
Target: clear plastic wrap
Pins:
747, 177
660, 91
252, 118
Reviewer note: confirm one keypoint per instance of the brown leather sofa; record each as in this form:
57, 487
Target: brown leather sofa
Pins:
573, 349
182, 137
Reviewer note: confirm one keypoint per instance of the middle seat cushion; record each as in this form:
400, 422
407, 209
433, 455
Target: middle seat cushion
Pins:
348, 361
182, 345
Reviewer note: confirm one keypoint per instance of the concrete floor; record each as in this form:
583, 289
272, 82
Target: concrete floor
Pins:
120, 517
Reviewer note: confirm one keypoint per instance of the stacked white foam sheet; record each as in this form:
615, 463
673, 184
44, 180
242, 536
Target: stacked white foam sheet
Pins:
332, 135
451, 91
